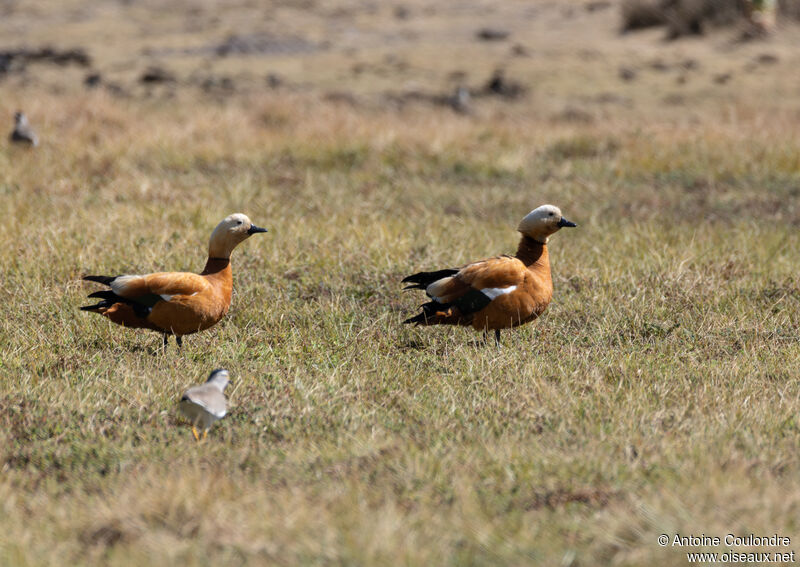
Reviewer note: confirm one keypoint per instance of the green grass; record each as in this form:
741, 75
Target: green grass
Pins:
659, 392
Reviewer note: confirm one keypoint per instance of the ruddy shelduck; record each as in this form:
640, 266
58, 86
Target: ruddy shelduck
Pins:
177, 303
498, 293
204, 404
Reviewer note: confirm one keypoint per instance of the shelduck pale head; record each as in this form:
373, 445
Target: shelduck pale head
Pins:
232, 231
543, 221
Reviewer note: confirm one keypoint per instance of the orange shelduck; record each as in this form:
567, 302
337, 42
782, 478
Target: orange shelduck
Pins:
177, 303
498, 293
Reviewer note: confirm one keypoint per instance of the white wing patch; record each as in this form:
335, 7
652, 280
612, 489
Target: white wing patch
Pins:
167, 297
495, 292
120, 283
435, 289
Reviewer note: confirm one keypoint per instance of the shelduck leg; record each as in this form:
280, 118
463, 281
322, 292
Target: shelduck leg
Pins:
496, 337
195, 433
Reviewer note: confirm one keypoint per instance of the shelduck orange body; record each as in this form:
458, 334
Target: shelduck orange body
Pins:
177, 303
497, 293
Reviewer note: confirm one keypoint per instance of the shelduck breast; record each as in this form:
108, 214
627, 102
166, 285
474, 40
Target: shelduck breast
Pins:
497, 293
177, 303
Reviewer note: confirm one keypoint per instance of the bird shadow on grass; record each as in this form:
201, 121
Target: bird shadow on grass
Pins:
154, 349
412, 345
150, 349
479, 343
483, 343
95, 344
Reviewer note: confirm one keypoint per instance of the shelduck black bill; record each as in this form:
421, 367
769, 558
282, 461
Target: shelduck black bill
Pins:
496, 293
176, 303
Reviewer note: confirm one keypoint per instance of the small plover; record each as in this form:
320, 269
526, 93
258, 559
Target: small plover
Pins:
23, 133
204, 404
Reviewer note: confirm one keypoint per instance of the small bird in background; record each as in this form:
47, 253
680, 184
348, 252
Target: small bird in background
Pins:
204, 404
460, 101
498, 293
23, 133
177, 303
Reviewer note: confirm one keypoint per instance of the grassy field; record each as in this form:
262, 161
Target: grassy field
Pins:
658, 394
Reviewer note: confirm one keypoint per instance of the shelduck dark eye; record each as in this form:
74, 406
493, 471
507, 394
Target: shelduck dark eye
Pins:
551, 214
240, 222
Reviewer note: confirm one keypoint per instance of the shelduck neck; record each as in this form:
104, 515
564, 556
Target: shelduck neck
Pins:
533, 254
216, 265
